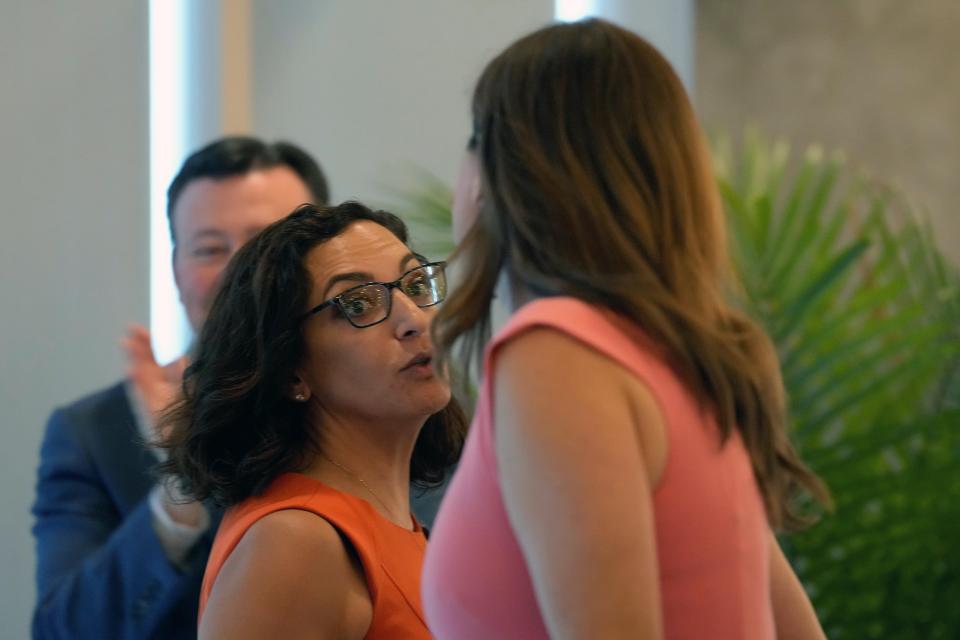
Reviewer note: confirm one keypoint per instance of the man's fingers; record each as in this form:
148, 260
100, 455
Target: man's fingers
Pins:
137, 347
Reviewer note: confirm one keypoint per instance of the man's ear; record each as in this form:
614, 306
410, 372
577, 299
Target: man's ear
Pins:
476, 190
176, 271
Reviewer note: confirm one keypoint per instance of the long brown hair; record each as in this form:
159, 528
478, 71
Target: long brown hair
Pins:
597, 184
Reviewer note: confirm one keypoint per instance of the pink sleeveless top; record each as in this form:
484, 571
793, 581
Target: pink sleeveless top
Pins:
711, 527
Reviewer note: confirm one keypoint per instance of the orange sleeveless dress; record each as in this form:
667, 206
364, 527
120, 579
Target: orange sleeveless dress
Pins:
390, 555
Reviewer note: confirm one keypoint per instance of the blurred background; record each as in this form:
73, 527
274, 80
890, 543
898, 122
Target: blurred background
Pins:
834, 126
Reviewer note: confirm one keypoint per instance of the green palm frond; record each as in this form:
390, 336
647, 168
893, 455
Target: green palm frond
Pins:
864, 312
426, 210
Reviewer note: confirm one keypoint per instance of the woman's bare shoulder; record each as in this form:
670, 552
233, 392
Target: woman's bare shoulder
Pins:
292, 572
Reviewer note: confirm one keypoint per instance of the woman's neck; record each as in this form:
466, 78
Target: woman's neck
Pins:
369, 462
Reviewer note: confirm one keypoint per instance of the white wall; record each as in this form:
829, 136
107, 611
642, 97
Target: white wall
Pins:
373, 88
73, 233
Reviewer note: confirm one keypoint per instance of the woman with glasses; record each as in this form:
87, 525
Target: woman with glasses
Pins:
628, 460
311, 404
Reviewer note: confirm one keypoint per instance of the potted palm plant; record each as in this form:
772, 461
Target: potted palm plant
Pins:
865, 313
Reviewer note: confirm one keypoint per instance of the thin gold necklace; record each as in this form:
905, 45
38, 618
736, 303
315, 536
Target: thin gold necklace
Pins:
357, 477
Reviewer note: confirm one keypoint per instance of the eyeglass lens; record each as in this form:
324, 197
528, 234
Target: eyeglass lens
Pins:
370, 304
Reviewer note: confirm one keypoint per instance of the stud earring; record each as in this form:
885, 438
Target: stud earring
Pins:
300, 397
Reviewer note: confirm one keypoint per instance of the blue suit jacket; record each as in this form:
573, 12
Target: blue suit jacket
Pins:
101, 571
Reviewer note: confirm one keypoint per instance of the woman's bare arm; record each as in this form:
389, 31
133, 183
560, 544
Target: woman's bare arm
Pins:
576, 487
291, 576
793, 613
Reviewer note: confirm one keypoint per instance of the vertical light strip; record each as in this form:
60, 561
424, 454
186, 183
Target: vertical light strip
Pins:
573, 10
167, 132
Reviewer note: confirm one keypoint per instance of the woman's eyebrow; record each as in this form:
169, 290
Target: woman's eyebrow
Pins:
407, 258
364, 276
352, 276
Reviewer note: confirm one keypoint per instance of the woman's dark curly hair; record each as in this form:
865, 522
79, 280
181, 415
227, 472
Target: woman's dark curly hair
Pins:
234, 429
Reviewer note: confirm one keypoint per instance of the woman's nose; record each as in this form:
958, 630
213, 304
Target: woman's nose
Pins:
410, 320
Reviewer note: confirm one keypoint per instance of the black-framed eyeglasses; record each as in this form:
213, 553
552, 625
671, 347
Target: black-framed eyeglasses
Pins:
370, 303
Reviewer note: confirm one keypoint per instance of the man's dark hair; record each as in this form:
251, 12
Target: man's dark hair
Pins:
235, 428
239, 155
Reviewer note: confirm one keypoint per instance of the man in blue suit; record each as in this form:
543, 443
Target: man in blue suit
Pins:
119, 555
